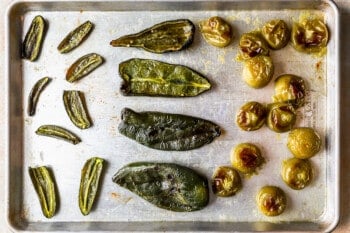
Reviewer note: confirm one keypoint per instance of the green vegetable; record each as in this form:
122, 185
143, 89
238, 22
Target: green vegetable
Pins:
168, 36
296, 173
281, 117
247, 158
75, 37
83, 66
74, 103
166, 185
44, 184
34, 38
271, 200
276, 33
226, 182
165, 131
155, 78
251, 116
216, 31
89, 183
58, 132
304, 142
310, 36
252, 44
258, 71
35, 93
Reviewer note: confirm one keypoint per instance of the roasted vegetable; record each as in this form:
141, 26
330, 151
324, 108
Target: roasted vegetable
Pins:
304, 142
166, 185
155, 78
58, 132
168, 36
83, 66
35, 93
226, 182
296, 173
89, 183
216, 31
310, 36
165, 131
251, 116
247, 158
276, 33
252, 44
281, 117
75, 37
34, 38
258, 71
291, 89
44, 184
74, 103
271, 200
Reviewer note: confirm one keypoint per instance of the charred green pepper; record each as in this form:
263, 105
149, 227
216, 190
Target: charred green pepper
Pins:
58, 132
166, 185
216, 31
165, 131
75, 37
34, 38
35, 93
44, 184
168, 36
276, 33
155, 78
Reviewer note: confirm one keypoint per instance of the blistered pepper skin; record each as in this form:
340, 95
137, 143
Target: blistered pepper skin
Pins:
167, 185
34, 38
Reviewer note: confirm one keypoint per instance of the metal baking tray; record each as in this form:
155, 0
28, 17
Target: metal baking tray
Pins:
316, 208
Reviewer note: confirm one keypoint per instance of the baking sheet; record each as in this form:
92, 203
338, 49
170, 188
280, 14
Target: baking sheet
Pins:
314, 208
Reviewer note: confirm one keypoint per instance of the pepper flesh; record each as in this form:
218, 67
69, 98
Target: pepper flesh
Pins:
168, 36
74, 103
34, 38
165, 131
35, 93
44, 185
75, 37
167, 185
89, 183
58, 132
155, 78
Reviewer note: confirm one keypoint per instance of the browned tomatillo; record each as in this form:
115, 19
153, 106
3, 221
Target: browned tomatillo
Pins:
309, 36
304, 142
251, 116
271, 200
296, 173
247, 158
290, 89
276, 33
226, 182
281, 117
252, 44
258, 71
216, 31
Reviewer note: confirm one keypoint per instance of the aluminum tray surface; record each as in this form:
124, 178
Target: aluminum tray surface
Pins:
313, 209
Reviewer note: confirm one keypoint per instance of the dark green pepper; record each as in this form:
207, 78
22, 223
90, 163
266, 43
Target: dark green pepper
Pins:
75, 37
168, 36
165, 131
35, 93
166, 185
34, 38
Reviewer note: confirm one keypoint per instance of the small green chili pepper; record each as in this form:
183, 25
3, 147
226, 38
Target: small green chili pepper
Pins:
34, 38
35, 93
58, 132
75, 37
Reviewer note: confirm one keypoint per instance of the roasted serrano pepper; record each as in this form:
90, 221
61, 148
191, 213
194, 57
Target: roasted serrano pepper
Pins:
83, 66
167, 185
75, 37
33, 40
35, 93
58, 132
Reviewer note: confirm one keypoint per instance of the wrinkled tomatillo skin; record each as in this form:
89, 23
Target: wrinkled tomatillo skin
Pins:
258, 71
281, 117
271, 200
216, 31
296, 173
276, 33
304, 142
247, 158
252, 44
251, 116
226, 182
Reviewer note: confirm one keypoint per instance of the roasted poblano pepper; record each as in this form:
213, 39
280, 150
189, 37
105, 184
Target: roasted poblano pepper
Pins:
75, 37
35, 93
166, 185
44, 185
155, 78
89, 183
74, 103
168, 36
34, 38
58, 132
165, 131
83, 66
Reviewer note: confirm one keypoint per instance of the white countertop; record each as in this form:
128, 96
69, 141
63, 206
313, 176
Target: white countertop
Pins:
344, 224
